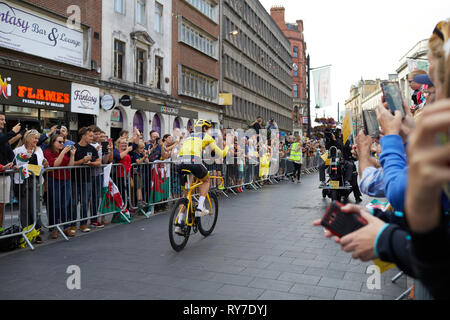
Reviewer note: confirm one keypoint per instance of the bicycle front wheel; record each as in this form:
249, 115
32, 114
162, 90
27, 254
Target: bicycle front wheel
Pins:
207, 223
178, 242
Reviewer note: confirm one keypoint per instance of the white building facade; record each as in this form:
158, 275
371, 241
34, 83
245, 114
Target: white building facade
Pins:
136, 68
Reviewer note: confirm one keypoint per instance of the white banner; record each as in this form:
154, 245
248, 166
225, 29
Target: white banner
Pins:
31, 34
322, 87
85, 99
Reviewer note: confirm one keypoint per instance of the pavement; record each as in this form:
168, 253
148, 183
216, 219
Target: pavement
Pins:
264, 247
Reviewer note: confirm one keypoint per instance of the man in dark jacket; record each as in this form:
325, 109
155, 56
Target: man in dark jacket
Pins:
6, 161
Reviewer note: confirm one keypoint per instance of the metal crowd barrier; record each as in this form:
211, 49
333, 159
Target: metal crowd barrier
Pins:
74, 195
18, 203
70, 197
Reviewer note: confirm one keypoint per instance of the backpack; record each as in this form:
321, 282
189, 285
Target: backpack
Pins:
10, 243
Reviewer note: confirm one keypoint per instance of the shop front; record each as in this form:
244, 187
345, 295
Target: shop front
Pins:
164, 118
36, 102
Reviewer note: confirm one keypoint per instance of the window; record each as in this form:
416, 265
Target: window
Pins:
295, 52
203, 88
295, 91
158, 72
206, 7
140, 66
119, 58
158, 17
198, 40
119, 6
140, 11
296, 73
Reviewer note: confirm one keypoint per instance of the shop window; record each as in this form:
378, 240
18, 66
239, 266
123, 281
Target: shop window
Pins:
156, 124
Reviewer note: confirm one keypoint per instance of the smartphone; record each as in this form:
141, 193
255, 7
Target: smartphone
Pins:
110, 140
105, 145
130, 144
393, 96
340, 223
371, 126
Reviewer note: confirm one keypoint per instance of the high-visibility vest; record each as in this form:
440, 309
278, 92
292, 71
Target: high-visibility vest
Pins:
296, 156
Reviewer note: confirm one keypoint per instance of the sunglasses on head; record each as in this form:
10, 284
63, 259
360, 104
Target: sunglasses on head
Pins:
438, 30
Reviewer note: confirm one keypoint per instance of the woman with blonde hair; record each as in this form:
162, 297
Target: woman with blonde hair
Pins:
28, 157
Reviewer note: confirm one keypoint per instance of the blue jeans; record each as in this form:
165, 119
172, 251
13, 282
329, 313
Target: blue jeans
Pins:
58, 193
82, 192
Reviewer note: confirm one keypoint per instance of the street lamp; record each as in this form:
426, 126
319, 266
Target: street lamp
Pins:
234, 32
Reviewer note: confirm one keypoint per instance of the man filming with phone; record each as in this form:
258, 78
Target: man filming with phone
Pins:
154, 148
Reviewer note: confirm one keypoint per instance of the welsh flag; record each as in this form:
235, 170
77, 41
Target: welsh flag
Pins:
112, 200
160, 190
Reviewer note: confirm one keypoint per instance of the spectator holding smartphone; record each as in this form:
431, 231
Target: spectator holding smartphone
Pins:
86, 155
58, 183
139, 157
427, 206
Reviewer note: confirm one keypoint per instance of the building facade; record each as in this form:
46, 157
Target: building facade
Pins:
256, 66
196, 59
415, 58
358, 93
137, 67
50, 62
294, 33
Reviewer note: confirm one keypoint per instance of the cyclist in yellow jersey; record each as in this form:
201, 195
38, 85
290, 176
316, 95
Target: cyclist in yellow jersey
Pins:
190, 157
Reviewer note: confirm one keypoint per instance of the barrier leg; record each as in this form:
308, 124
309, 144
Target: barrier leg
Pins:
404, 294
397, 276
27, 241
62, 232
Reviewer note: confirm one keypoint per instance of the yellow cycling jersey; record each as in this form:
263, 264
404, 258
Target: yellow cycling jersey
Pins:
195, 144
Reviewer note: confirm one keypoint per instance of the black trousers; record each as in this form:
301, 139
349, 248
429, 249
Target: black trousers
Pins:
354, 182
297, 170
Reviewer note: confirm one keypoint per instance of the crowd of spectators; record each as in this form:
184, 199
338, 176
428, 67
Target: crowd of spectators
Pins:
409, 165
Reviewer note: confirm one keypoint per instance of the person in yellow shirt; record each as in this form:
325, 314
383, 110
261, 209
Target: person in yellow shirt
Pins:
190, 157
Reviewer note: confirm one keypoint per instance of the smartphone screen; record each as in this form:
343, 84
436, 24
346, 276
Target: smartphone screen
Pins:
393, 97
371, 126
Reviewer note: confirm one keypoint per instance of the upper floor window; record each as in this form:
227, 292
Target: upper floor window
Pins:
200, 41
206, 7
119, 58
295, 91
140, 11
158, 72
141, 67
158, 17
119, 6
295, 52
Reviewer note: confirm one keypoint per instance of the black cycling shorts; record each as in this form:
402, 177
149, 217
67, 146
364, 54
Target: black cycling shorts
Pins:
198, 170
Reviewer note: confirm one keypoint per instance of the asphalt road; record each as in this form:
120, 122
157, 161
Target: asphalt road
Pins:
264, 247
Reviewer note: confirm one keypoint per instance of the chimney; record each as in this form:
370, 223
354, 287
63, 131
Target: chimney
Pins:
277, 14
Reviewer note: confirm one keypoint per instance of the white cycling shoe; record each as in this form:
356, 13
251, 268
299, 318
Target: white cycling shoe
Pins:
201, 212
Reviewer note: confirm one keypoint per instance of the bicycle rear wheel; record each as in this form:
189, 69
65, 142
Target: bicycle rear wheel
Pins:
177, 241
207, 223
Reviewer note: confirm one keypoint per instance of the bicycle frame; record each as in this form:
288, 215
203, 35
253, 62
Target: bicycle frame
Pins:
197, 183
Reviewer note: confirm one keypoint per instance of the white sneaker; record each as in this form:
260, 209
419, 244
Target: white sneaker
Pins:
201, 212
179, 231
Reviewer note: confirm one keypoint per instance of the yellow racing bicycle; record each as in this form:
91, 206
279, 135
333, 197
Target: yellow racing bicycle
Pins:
183, 214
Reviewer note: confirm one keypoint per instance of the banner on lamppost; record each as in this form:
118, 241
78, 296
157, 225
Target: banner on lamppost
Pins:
322, 87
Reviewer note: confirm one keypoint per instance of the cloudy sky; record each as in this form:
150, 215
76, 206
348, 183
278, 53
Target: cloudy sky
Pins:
361, 38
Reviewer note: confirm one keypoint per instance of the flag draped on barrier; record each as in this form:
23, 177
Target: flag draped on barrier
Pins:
160, 190
112, 200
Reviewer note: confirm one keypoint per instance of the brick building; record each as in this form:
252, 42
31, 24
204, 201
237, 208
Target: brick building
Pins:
294, 33
42, 51
196, 58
